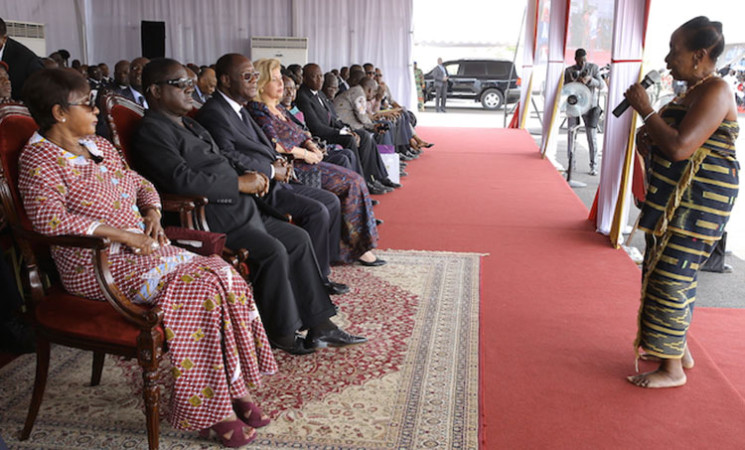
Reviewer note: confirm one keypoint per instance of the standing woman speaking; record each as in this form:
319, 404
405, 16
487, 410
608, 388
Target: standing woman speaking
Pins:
693, 173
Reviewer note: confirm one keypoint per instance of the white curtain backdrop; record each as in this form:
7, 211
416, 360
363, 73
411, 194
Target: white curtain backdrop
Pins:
340, 32
529, 56
554, 76
344, 32
196, 31
61, 19
628, 46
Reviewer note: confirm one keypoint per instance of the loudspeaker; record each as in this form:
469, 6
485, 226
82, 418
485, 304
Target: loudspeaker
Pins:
153, 37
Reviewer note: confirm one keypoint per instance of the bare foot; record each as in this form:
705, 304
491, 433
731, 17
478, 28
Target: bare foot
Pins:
669, 374
368, 257
687, 360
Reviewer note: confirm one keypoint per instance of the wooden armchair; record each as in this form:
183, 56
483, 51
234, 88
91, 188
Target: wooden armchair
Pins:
116, 326
123, 116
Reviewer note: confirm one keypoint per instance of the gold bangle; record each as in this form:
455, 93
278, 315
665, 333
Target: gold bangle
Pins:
154, 208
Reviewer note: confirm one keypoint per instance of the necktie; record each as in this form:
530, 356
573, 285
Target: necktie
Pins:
249, 125
328, 111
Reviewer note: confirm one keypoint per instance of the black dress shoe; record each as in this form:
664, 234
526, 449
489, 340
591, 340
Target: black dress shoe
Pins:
377, 189
374, 202
380, 184
388, 183
403, 173
336, 288
379, 222
428, 145
405, 157
298, 347
376, 263
333, 338
412, 155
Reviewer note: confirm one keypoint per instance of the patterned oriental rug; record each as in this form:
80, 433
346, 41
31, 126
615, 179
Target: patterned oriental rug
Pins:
414, 385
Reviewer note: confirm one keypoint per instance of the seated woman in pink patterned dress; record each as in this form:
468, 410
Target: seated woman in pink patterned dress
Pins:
359, 230
73, 182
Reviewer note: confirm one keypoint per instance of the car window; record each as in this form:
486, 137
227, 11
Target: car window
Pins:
499, 69
452, 68
474, 68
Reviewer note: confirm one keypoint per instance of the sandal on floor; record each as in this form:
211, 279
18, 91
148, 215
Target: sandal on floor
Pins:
250, 413
237, 439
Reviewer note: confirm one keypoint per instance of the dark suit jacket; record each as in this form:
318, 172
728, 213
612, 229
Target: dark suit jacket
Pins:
229, 131
124, 92
187, 161
22, 62
320, 120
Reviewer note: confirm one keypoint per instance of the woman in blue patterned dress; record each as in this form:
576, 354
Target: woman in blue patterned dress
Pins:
693, 177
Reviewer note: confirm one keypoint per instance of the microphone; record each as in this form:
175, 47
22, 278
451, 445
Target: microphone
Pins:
649, 79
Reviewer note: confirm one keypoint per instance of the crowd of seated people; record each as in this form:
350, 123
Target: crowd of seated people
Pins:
257, 129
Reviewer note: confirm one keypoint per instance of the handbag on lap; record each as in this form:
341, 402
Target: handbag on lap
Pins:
205, 243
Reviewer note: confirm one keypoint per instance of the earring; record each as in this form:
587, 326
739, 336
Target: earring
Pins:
695, 66
63, 120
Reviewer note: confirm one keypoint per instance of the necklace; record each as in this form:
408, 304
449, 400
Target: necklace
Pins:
683, 95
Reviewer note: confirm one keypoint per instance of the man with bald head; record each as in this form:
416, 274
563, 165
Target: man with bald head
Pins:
135, 80
179, 156
206, 84
246, 146
121, 80
320, 117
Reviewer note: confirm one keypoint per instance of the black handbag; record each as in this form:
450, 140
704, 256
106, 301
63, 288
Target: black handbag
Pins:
308, 175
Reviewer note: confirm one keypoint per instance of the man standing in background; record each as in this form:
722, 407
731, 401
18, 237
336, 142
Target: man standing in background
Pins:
441, 86
587, 73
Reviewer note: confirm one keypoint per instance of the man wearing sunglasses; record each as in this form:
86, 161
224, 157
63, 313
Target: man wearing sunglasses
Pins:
179, 156
246, 146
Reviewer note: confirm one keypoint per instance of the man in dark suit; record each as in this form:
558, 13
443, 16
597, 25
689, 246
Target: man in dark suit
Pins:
21, 61
246, 146
128, 80
179, 156
206, 84
121, 80
321, 121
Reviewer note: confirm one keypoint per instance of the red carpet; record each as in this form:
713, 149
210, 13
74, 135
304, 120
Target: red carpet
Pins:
558, 306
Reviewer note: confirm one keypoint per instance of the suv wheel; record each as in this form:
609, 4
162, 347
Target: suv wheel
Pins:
492, 99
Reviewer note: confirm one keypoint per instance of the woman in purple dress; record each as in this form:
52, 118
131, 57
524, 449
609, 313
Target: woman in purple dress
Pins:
359, 230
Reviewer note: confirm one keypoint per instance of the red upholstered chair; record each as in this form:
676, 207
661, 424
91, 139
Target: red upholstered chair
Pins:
115, 326
122, 117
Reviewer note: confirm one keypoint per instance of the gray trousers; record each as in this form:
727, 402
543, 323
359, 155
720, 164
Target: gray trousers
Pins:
441, 96
592, 141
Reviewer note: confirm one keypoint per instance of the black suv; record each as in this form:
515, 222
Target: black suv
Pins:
483, 80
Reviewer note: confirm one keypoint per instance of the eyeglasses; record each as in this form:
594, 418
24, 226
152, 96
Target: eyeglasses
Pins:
370, 73
181, 83
89, 103
250, 76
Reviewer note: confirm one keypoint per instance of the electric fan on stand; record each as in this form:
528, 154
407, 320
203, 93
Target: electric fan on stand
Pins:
575, 101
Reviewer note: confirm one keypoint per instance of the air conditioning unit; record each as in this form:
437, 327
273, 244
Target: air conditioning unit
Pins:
289, 50
29, 34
